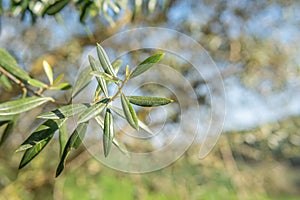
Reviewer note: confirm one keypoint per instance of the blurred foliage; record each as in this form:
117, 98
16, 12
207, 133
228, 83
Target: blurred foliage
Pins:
244, 165
108, 9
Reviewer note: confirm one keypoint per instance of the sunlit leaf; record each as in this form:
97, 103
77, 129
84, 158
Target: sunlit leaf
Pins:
65, 111
74, 142
92, 111
56, 7
35, 143
100, 79
147, 64
108, 132
36, 83
58, 79
48, 71
82, 81
10, 64
105, 63
5, 82
147, 101
61, 86
142, 125
22, 105
129, 112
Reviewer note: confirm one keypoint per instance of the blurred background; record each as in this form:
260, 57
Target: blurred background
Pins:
255, 45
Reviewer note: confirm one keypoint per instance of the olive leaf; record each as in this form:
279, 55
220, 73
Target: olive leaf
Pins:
9, 127
22, 105
61, 86
82, 81
146, 64
58, 79
9, 63
65, 111
142, 125
100, 122
92, 111
5, 82
63, 137
100, 79
108, 132
147, 101
56, 7
105, 63
48, 71
36, 142
36, 83
129, 112
117, 65
74, 141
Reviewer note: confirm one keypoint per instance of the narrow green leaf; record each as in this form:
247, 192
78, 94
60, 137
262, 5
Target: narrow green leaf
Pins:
63, 137
129, 112
108, 132
147, 101
74, 141
100, 79
105, 63
22, 105
58, 79
92, 111
100, 122
65, 111
56, 7
142, 125
105, 76
36, 83
10, 64
147, 64
117, 65
36, 142
81, 130
83, 80
7, 131
61, 86
41, 133
48, 71
9, 128
5, 82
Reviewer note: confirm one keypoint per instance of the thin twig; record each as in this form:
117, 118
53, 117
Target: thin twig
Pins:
19, 82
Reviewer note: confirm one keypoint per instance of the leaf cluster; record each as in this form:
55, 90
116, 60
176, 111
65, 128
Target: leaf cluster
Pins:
108, 9
101, 109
